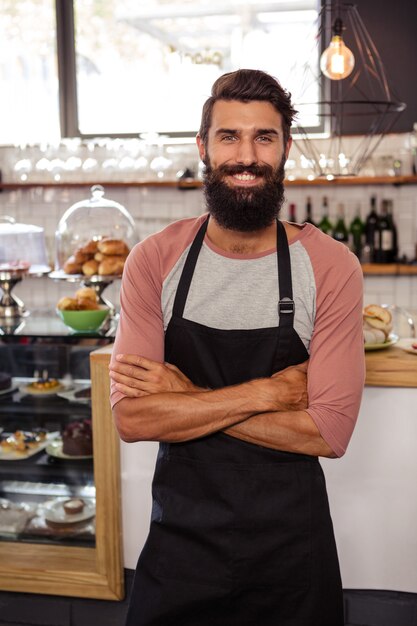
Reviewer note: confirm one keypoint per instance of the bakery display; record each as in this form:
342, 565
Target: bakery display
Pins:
77, 439
93, 238
377, 324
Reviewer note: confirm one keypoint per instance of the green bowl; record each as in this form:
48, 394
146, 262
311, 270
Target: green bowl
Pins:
84, 320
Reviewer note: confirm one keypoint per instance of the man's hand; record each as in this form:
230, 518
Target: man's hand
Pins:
136, 376
285, 390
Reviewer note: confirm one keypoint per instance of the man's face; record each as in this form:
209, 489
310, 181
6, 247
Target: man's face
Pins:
244, 156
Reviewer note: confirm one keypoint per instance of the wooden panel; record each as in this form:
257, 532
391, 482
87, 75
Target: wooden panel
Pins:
56, 570
108, 489
391, 367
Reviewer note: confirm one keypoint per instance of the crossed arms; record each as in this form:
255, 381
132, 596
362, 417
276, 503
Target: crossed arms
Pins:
162, 404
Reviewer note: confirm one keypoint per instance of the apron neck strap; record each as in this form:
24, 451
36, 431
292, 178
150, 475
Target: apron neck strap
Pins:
188, 271
286, 302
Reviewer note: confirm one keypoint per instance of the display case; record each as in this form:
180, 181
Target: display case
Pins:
60, 514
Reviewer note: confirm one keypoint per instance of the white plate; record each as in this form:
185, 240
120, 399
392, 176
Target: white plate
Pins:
11, 455
392, 339
9, 390
54, 511
405, 344
54, 448
48, 392
70, 395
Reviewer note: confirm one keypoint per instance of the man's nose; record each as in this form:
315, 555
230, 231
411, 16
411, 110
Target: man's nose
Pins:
246, 153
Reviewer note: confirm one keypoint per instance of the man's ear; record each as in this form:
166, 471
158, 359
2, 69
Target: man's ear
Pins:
201, 148
288, 147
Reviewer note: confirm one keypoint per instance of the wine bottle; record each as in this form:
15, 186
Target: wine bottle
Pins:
292, 213
340, 232
370, 227
309, 212
325, 224
384, 237
394, 231
357, 233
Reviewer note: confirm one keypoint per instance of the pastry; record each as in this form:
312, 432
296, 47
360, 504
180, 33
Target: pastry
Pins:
80, 256
377, 324
44, 385
73, 506
85, 300
111, 266
113, 246
77, 439
90, 247
90, 268
67, 304
71, 266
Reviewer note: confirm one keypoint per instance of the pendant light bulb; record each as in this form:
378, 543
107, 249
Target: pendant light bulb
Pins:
337, 61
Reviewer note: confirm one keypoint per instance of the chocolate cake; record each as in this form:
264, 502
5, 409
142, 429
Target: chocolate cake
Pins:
77, 439
5, 381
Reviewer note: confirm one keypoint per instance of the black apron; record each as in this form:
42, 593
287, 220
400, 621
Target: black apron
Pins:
240, 534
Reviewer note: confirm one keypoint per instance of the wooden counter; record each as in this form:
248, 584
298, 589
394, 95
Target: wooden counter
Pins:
392, 367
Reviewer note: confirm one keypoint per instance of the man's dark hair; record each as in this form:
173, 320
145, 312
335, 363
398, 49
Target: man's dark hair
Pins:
245, 86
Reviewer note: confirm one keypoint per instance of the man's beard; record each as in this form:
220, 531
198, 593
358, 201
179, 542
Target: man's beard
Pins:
241, 208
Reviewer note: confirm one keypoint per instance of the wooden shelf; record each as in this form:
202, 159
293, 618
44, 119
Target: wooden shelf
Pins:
389, 269
195, 184
391, 368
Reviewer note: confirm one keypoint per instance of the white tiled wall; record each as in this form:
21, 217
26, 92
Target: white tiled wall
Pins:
153, 208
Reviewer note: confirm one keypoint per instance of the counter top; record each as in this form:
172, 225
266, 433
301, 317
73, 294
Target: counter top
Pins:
392, 367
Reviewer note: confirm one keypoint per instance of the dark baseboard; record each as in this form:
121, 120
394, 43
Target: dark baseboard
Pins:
380, 608
362, 608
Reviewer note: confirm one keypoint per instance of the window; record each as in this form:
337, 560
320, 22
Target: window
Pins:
29, 109
146, 66
142, 66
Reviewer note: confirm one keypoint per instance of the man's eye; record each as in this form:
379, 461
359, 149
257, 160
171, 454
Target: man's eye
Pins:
229, 138
264, 139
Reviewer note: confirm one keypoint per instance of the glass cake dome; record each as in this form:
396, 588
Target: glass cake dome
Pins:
94, 237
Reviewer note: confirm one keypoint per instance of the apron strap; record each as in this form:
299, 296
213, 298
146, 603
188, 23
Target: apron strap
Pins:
188, 271
286, 307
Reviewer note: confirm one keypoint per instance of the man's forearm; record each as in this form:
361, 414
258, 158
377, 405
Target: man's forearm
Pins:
290, 431
181, 416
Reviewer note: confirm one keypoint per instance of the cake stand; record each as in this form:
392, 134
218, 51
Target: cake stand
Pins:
11, 307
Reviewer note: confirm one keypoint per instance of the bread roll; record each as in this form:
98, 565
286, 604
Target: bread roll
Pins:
113, 246
85, 304
89, 268
377, 318
67, 304
80, 256
111, 266
90, 248
86, 293
99, 256
72, 267
378, 312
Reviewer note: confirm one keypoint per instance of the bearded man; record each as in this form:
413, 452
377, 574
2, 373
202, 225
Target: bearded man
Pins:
240, 350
